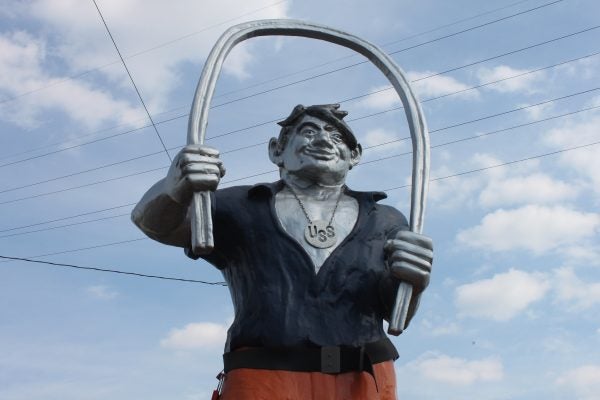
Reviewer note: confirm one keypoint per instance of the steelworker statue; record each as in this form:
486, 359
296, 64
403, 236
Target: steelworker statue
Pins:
312, 266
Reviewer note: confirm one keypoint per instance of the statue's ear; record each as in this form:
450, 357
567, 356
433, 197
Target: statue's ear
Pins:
275, 152
355, 155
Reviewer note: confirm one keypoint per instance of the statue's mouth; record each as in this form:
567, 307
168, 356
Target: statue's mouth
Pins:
320, 154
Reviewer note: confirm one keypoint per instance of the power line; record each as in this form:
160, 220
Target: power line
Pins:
114, 271
387, 190
82, 186
72, 77
98, 246
271, 171
401, 50
287, 75
503, 164
478, 136
185, 115
264, 123
330, 72
68, 217
132, 81
481, 135
65, 226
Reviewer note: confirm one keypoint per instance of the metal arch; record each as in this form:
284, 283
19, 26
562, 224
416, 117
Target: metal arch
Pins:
202, 238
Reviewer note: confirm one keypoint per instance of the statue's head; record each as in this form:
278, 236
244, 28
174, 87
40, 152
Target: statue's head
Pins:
316, 144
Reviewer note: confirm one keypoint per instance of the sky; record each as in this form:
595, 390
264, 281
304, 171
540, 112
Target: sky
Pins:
511, 93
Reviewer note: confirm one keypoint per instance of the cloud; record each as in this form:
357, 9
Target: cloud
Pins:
501, 297
439, 328
374, 139
585, 161
570, 288
101, 292
194, 336
536, 188
386, 97
527, 83
438, 85
584, 380
532, 227
458, 371
73, 31
22, 70
86, 44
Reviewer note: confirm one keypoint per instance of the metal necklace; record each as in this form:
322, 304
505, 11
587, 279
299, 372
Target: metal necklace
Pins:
319, 234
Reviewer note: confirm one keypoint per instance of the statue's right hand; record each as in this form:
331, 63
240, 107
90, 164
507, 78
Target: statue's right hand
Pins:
196, 168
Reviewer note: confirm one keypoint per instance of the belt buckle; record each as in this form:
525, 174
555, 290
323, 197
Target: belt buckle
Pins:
330, 360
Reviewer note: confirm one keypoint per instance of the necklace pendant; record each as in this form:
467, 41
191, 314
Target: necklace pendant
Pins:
320, 234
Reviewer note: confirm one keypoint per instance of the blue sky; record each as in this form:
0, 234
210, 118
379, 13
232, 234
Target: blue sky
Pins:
511, 312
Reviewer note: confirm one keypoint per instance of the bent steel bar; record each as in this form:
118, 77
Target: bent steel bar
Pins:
202, 238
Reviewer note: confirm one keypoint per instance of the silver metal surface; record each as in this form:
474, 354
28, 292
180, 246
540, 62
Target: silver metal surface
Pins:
319, 201
200, 213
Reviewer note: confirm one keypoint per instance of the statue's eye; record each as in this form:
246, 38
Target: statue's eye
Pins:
308, 131
336, 137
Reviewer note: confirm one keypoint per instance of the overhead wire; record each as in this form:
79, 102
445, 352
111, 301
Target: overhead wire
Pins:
114, 271
185, 115
432, 180
405, 38
66, 218
264, 142
155, 47
433, 131
132, 81
340, 69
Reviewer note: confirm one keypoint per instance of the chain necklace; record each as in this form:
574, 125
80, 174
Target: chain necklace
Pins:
319, 234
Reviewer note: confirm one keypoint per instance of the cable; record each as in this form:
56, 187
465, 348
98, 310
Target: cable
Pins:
272, 171
275, 120
287, 75
503, 164
98, 246
82, 186
339, 69
478, 136
362, 163
386, 190
264, 123
65, 226
132, 81
114, 271
253, 85
68, 217
72, 77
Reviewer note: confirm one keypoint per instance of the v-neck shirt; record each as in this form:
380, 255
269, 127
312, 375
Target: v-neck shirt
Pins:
278, 298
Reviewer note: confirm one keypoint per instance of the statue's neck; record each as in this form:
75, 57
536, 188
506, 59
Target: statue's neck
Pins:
310, 189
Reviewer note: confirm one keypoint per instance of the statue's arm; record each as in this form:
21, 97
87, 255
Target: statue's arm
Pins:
162, 218
162, 213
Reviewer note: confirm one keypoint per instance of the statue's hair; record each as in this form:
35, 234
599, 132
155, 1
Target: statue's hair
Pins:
329, 113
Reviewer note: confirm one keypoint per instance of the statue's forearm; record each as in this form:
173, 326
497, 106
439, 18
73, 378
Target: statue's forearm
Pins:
162, 218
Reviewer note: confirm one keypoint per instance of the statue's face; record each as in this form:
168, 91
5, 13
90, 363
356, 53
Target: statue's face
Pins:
316, 151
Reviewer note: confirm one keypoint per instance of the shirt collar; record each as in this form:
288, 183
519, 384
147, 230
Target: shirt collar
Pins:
270, 189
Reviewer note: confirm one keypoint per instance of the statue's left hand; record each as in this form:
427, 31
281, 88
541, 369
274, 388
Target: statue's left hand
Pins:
409, 256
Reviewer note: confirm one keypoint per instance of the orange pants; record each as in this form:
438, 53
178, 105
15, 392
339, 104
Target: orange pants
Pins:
257, 384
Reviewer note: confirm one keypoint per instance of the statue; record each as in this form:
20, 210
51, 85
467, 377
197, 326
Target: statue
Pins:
312, 266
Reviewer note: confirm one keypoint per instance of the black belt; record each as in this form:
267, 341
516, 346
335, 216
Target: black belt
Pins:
326, 359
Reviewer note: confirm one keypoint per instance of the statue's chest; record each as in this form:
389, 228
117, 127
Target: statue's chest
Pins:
318, 239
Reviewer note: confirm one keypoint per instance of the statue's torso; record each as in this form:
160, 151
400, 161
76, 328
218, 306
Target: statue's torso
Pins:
294, 221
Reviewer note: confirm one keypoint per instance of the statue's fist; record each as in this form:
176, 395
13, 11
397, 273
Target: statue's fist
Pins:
196, 168
409, 256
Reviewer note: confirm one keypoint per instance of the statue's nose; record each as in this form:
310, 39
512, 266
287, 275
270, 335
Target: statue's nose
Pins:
322, 138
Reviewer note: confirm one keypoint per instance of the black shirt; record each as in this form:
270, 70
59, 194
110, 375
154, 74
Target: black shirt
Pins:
278, 298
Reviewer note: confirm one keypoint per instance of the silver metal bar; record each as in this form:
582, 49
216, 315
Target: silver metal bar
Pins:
202, 240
